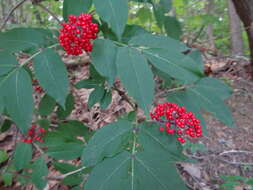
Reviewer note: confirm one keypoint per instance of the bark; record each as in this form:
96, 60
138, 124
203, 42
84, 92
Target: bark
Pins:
235, 30
210, 10
245, 11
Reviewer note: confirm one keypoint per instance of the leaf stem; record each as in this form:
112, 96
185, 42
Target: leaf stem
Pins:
49, 12
37, 53
132, 161
67, 174
166, 92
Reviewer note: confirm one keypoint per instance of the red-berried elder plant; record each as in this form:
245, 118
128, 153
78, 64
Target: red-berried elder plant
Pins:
129, 153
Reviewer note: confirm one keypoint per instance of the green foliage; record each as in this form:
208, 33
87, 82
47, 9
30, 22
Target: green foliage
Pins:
208, 94
114, 12
65, 151
80, 6
139, 170
3, 156
6, 125
126, 154
69, 106
7, 178
106, 142
104, 57
106, 100
52, 75
39, 173
7, 62
230, 182
47, 105
95, 96
16, 91
22, 155
141, 85
24, 38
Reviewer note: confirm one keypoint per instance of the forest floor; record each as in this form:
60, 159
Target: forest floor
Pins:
227, 152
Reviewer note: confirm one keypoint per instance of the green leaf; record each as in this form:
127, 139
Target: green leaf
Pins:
106, 100
69, 106
73, 180
144, 14
64, 167
87, 83
103, 58
211, 85
80, 6
174, 64
77, 128
1, 103
152, 172
7, 178
207, 94
3, 156
132, 31
16, 87
52, 75
44, 123
47, 105
116, 170
172, 27
67, 132
151, 41
152, 140
6, 125
96, 96
136, 76
136, 172
22, 155
160, 10
114, 12
24, 38
197, 57
106, 142
65, 151
7, 62
39, 173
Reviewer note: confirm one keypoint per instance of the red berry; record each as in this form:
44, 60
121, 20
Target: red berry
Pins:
76, 35
161, 129
185, 123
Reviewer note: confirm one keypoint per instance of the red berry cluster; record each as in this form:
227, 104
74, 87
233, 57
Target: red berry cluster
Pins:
76, 35
34, 134
175, 120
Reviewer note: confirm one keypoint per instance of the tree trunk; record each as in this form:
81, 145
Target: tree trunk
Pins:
209, 10
235, 30
245, 11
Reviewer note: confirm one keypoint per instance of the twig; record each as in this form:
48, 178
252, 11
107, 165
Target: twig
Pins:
125, 97
66, 175
236, 163
38, 148
10, 13
49, 12
164, 93
234, 152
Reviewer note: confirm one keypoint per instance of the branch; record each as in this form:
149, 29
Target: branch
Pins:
164, 93
66, 175
234, 152
49, 12
10, 13
125, 97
